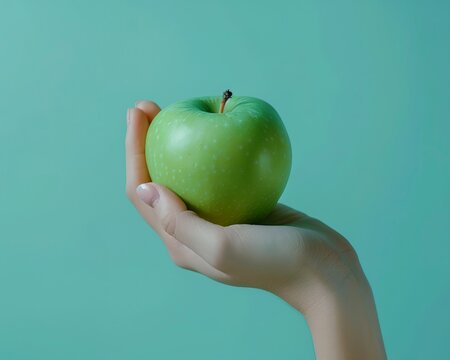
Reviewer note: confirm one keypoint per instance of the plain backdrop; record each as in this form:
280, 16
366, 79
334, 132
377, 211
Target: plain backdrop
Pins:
363, 89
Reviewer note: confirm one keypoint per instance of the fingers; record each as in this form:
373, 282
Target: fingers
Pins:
136, 167
167, 207
204, 238
236, 254
138, 120
231, 249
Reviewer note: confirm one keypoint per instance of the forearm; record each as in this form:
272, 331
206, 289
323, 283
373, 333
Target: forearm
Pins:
344, 324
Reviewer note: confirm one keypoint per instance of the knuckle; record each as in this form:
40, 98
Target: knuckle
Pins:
168, 223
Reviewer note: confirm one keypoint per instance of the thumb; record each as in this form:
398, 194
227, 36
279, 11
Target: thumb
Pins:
210, 241
166, 204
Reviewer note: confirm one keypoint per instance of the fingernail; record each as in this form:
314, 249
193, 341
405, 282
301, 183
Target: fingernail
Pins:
148, 194
136, 104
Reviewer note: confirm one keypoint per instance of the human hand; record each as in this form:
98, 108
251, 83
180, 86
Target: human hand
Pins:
290, 254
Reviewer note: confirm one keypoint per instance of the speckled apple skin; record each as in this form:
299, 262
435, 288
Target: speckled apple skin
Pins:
229, 167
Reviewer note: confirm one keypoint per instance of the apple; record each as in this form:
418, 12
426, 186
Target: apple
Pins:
228, 158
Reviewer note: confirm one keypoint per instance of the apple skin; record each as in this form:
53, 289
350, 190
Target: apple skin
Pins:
229, 167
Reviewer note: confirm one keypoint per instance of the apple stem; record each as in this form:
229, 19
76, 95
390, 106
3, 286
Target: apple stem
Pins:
226, 95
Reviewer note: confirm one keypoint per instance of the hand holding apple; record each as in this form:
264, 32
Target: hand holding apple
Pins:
290, 254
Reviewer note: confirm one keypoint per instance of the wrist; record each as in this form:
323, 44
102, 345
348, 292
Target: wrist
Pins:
340, 313
344, 323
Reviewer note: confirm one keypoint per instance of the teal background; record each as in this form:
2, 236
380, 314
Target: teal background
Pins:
362, 87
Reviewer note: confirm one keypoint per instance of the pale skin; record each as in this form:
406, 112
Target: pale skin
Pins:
290, 254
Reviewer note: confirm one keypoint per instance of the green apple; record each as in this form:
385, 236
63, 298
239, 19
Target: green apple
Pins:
228, 160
